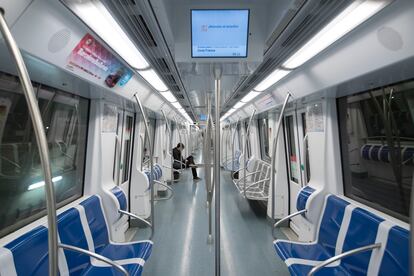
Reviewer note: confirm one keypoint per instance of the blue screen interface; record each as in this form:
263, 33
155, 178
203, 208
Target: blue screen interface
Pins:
219, 33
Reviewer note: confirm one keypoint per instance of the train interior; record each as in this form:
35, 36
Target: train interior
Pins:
206, 137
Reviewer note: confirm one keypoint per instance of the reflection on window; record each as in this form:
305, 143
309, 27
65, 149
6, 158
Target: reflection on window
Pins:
264, 131
304, 129
293, 158
127, 137
22, 194
248, 147
377, 131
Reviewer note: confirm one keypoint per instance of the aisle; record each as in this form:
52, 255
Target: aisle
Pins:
180, 240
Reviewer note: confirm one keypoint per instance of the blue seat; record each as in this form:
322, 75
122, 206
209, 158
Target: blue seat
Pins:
303, 197
345, 227
100, 234
71, 232
84, 227
324, 247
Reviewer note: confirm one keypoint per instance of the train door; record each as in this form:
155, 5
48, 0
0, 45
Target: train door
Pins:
293, 134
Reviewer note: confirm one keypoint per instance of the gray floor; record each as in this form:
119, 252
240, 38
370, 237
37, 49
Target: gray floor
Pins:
180, 240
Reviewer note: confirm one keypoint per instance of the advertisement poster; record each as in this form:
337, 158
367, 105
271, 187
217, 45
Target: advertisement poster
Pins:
92, 58
314, 118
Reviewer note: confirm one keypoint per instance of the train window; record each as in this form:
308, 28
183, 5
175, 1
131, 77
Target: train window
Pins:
264, 131
292, 148
377, 132
127, 147
65, 119
248, 147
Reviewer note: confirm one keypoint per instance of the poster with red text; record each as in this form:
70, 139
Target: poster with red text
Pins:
90, 57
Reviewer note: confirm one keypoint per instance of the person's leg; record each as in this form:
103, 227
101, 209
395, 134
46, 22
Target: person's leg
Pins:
191, 164
194, 171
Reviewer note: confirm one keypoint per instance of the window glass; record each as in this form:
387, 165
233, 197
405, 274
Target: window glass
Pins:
65, 119
293, 158
127, 137
249, 151
377, 144
304, 129
264, 132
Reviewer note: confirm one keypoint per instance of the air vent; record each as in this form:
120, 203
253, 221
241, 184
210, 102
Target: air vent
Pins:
179, 96
163, 66
298, 31
265, 66
175, 88
128, 2
145, 33
170, 79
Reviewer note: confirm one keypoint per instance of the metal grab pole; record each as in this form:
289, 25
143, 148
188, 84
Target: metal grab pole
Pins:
273, 169
144, 117
207, 161
217, 172
245, 151
41, 143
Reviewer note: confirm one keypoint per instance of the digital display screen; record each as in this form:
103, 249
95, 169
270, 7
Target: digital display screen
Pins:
219, 33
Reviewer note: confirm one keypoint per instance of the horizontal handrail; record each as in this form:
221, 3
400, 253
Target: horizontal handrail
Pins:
289, 217
95, 256
136, 217
344, 255
171, 168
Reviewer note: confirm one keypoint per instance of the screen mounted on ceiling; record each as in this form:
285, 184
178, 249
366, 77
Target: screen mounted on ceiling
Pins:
219, 33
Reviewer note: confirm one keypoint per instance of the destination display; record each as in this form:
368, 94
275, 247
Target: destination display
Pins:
219, 33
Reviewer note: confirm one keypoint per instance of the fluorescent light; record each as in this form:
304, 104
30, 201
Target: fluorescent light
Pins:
152, 78
42, 183
169, 96
273, 78
250, 96
97, 17
182, 111
177, 105
355, 14
231, 111
238, 105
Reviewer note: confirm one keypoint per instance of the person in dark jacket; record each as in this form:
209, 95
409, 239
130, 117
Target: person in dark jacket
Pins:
180, 162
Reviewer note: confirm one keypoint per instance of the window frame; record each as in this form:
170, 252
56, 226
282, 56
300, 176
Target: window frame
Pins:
36, 216
265, 156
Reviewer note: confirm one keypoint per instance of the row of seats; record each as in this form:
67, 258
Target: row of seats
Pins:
256, 178
382, 153
83, 226
344, 227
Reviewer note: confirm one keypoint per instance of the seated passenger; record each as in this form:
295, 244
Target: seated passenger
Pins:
186, 163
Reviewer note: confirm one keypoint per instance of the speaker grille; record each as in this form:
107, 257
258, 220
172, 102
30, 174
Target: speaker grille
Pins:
59, 40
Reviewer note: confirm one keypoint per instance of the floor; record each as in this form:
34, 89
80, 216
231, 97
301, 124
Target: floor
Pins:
181, 234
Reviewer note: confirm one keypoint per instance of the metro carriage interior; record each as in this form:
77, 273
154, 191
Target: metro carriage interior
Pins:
195, 137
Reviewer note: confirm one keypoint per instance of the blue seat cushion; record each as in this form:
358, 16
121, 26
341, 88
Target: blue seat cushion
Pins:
299, 269
133, 269
303, 197
286, 250
140, 250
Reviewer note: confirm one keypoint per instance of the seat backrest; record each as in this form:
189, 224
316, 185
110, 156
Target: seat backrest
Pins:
95, 217
71, 232
362, 231
30, 253
121, 197
395, 260
331, 222
303, 197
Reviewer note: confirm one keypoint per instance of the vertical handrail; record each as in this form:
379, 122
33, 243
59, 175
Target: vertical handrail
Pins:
305, 164
207, 162
275, 140
41, 142
217, 175
245, 151
179, 137
151, 182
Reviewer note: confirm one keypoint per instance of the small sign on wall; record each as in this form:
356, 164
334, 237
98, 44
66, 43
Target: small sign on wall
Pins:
92, 60
314, 118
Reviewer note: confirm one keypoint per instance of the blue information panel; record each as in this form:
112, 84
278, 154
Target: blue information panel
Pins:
219, 33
